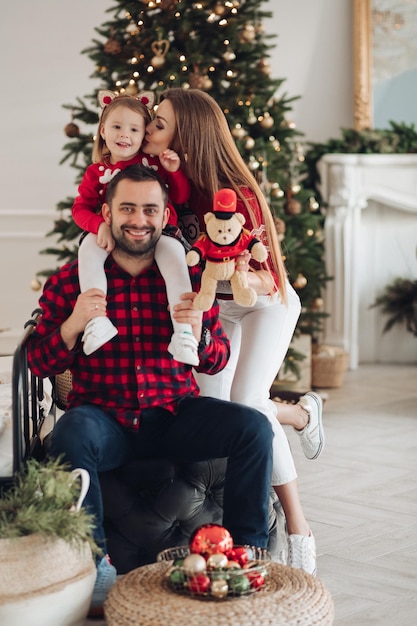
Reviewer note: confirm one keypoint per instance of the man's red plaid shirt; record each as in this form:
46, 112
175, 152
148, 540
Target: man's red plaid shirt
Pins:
134, 370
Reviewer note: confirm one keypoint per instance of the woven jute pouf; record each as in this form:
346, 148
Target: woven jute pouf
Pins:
290, 597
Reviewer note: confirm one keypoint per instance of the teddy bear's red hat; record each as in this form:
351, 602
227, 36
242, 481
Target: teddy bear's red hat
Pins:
224, 203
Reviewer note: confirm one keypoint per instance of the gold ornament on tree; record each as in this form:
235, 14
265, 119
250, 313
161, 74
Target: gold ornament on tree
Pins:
35, 284
247, 35
238, 132
159, 48
317, 304
276, 191
313, 205
229, 55
267, 120
249, 143
264, 67
219, 9
132, 29
300, 282
131, 89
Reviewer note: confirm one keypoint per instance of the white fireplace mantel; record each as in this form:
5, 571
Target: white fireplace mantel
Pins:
348, 183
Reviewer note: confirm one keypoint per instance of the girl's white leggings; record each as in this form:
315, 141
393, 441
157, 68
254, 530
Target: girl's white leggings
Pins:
259, 338
169, 256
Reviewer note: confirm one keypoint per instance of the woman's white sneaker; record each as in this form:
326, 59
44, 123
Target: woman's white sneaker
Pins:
312, 435
302, 553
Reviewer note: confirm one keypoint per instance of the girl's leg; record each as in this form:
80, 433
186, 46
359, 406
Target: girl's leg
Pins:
170, 258
91, 259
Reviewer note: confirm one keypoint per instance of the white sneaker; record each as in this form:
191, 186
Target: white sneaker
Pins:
302, 553
184, 348
312, 435
98, 331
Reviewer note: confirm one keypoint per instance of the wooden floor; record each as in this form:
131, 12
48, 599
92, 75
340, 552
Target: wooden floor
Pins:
360, 497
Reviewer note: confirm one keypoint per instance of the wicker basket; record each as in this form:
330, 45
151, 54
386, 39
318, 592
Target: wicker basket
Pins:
329, 364
63, 385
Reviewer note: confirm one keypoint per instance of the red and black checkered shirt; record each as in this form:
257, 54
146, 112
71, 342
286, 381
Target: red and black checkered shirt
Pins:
134, 370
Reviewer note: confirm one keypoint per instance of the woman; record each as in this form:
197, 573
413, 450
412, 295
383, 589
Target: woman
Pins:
191, 123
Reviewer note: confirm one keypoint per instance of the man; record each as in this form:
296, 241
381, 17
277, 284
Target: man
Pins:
131, 399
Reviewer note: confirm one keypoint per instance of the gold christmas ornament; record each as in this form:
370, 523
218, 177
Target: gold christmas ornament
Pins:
265, 67
132, 29
317, 304
249, 143
219, 588
300, 282
252, 119
313, 205
35, 284
247, 35
207, 83
238, 132
267, 121
72, 130
216, 561
253, 164
159, 48
131, 89
229, 55
219, 9
276, 191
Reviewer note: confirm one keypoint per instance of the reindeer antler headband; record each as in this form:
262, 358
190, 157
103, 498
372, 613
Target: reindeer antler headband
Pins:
106, 96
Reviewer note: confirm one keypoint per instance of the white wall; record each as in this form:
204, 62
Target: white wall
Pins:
43, 68
314, 53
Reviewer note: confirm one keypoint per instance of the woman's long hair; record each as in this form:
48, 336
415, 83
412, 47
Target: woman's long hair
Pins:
211, 160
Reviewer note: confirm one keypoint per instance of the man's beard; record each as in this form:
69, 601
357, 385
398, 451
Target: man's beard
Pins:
135, 249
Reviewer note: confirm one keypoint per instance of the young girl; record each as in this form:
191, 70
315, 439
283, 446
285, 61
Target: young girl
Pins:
191, 122
118, 144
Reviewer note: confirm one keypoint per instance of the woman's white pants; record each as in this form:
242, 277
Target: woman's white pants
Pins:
259, 338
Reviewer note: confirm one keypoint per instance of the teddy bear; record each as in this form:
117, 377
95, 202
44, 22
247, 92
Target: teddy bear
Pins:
224, 240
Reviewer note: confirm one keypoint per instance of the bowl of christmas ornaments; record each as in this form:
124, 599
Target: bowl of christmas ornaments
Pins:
213, 567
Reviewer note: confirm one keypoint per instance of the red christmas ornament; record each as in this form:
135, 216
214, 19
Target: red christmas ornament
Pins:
238, 554
210, 539
199, 584
256, 579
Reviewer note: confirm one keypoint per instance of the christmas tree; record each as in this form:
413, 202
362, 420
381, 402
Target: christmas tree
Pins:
219, 46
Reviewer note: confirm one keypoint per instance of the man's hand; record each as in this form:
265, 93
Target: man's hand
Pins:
91, 303
184, 313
